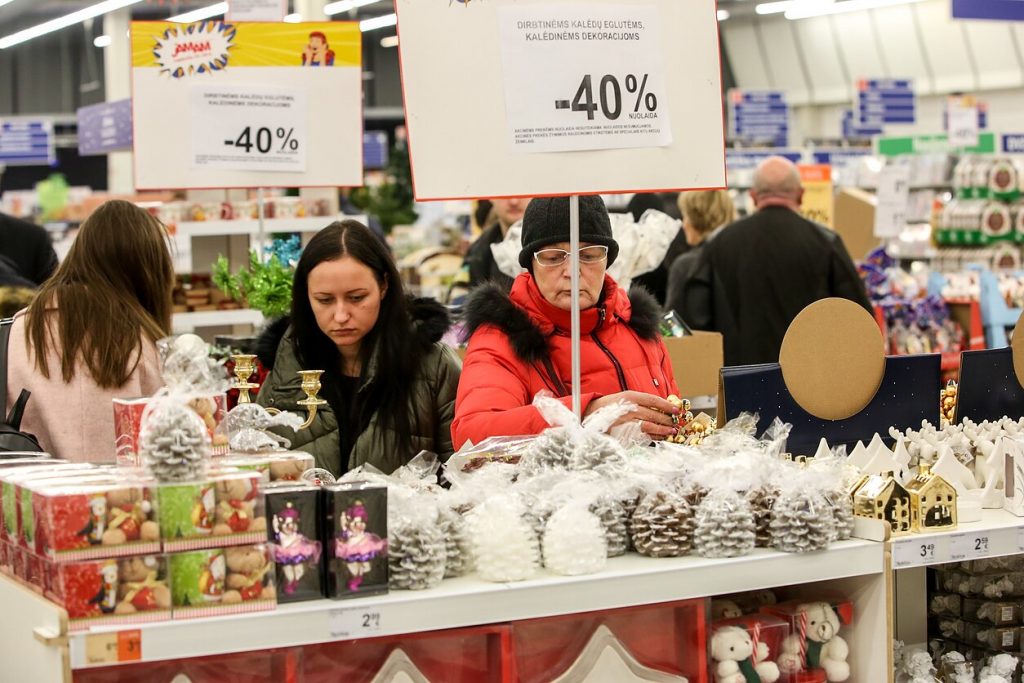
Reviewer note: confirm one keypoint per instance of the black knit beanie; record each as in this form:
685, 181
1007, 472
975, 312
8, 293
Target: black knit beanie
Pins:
546, 221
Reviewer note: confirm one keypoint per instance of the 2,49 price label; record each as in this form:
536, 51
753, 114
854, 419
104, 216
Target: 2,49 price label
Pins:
609, 99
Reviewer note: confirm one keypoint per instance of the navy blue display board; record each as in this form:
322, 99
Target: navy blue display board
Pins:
909, 394
989, 388
1003, 10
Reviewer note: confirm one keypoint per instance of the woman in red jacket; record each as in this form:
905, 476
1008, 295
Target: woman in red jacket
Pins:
519, 343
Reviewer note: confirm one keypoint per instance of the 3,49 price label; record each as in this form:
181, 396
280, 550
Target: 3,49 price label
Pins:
909, 552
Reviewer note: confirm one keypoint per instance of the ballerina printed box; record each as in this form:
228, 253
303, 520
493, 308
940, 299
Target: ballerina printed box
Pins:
293, 533
355, 540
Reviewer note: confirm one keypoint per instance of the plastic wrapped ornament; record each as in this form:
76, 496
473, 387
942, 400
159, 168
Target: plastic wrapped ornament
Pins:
725, 525
614, 520
416, 554
842, 513
802, 522
458, 557
554, 447
596, 452
761, 500
505, 547
574, 542
663, 524
174, 442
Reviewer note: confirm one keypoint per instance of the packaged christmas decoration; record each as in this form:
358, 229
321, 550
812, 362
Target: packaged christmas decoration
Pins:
458, 555
574, 541
505, 546
496, 449
945, 605
293, 517
249, 429
1000, 668
211, 409
174, 443
221, 581
814, 643
724, 525
356, 545
663, 523
111, 591
993, 637
803, 520
883, 498
220, 511
92, 520
995, 612
744, 649
13, 484
417, 552
572, 445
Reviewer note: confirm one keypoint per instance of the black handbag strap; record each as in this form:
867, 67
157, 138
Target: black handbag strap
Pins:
5, 338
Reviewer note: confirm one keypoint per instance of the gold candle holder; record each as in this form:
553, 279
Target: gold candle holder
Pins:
312, 402
245, 365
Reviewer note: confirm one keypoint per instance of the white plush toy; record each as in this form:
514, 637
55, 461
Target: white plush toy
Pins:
732, 649
825, 649
999, 669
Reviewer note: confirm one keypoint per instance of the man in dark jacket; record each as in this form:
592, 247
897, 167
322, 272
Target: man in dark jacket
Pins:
761, 271
479, 259
28, 247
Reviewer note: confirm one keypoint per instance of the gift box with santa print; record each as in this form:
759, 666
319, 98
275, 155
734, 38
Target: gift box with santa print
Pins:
118, 591
224, 510
294, 533
814, 651
221, 581
77, 520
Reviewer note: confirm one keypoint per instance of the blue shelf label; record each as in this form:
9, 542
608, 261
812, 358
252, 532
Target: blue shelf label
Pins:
759, 116
27, 143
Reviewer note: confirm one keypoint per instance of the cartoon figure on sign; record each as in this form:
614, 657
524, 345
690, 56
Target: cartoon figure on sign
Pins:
106, 597
202, 510
317, 52
291, 549
357, 547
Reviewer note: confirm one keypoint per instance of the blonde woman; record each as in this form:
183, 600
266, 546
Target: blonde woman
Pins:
704, 213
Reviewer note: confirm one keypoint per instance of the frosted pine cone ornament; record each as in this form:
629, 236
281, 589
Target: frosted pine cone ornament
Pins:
174, 442
574, 542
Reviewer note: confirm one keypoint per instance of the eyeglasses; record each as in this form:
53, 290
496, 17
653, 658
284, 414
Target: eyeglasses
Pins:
551, 258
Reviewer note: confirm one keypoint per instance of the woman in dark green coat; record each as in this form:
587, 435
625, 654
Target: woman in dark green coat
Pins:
389, 383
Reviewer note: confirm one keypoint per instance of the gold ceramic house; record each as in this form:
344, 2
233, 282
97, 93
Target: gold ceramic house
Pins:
882, 497
932, 502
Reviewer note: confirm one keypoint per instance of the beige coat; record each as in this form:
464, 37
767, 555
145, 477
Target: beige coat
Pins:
74, 420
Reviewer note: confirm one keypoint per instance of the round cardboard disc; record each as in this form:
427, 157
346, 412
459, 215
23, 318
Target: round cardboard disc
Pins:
1017, 346
833, 359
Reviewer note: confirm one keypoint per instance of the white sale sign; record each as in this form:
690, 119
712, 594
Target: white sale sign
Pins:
583, 80
249, 128
892, 196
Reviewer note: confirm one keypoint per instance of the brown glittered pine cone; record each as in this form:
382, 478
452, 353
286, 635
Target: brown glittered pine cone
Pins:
614, 520
761, 501
802, 522
662, 525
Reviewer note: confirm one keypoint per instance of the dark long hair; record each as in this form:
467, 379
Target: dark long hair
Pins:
113, 287
392, 337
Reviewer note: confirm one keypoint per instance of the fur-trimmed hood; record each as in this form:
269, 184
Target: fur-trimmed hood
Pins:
430, 321
527, 320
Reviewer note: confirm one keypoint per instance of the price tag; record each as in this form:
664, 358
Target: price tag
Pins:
969, 546
576, 82
962, 117
111, 648
1020, 538
249, 128
914, 553
355, 623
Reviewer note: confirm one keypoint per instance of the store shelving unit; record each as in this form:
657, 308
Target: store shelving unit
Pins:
39, 646
189, 322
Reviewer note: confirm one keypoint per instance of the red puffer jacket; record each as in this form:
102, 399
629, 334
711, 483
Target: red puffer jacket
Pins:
520, 344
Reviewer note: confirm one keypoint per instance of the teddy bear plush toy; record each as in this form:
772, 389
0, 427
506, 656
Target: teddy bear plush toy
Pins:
824, 648
249, 572
140, 587
236, 506
732, 649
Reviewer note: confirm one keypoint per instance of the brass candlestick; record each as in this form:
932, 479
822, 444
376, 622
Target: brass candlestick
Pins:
311, 385
245, 365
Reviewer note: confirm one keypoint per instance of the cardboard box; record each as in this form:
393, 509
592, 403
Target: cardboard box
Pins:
855, 221
696, 361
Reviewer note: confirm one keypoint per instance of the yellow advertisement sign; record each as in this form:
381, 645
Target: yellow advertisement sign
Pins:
818, 194
209, 46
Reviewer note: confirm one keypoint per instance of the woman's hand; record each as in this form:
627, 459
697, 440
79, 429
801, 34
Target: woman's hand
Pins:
652, 412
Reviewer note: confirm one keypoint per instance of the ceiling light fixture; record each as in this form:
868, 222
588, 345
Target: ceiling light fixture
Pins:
102, 41
723, 14
773, 7
99, 9
293, 18
801, 11
345, 6
382, 21
209, 12
390, 41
